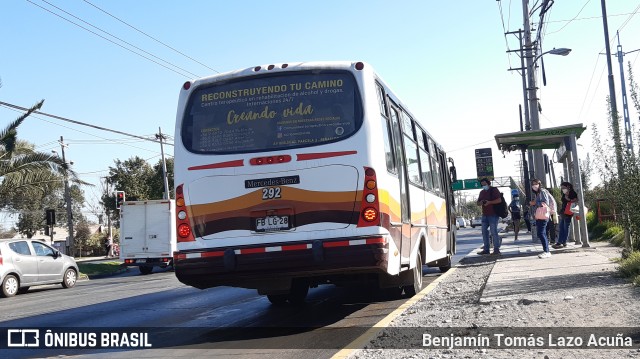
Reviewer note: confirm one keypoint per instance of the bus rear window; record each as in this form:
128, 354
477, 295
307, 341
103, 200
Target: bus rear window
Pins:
272, 113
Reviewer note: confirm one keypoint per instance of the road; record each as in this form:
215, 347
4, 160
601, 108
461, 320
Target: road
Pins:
230, 320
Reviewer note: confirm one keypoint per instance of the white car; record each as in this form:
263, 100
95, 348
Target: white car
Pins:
28, 262
477, 221
461, 222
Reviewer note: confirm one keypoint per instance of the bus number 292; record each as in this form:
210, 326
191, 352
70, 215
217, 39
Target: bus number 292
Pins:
271, 193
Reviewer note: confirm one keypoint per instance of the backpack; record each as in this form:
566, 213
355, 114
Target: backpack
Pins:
514, 207
553, 206
501, 208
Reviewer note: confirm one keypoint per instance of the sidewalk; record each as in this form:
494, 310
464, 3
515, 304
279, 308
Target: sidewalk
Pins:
519, 274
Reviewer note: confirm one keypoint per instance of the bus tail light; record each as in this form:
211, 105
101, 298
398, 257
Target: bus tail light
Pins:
370, 205
183, 225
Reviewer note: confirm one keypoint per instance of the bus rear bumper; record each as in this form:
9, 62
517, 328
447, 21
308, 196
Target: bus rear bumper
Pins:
273, 268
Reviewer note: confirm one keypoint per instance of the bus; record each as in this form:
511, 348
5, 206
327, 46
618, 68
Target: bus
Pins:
291, 176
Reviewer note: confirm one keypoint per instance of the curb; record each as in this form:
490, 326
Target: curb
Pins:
371, 333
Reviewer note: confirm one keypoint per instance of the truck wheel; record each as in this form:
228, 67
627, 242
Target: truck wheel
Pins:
145, 269
277, 299
10, 286
411, 290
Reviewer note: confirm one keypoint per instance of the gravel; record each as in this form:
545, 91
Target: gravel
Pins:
607, 301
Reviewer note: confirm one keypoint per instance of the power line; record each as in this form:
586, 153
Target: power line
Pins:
151, 37
113, 42
80, 123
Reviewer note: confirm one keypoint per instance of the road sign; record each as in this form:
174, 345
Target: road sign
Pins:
484, 163
466, 184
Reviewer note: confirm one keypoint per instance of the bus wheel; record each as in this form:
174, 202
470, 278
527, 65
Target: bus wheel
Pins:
277, 299
299, 290
446, 266
411, 290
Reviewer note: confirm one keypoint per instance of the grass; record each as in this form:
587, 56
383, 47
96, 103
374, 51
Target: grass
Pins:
630, 267
104, 268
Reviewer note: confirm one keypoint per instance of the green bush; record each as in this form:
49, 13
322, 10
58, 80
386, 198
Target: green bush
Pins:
618, 239
592, 220
630, 267
598, 231
612, 232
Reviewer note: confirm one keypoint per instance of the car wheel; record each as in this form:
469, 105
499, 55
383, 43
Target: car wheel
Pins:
70, 278
10, 286
416, 287
146, 270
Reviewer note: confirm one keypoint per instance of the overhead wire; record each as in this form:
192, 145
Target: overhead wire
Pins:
151, 37
113, 42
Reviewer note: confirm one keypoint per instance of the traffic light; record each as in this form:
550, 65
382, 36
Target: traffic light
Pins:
119, 199
50, 215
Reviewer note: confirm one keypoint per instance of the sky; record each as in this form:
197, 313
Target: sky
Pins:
446, 60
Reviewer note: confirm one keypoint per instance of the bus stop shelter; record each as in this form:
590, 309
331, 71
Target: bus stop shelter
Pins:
563, 140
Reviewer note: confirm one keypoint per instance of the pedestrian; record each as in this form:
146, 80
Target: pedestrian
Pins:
527, 219
569, 196
487, 198
108, 243
541, 200
514, 208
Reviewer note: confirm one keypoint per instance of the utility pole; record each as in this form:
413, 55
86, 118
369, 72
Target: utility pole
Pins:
625, 105
67, 198
530, 49
161, 138
614, 111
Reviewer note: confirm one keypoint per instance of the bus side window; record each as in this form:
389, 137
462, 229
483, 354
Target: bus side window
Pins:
388, 146
413, 164
425, 165
435, 166
387, 137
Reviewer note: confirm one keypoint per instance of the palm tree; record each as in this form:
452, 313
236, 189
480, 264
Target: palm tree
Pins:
24, 170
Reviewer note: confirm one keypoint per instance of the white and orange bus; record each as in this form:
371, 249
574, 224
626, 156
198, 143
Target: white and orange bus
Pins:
290, 176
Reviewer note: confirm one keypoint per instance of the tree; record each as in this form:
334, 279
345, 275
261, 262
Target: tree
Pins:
82, 236
134, 176
23, 168
157, 182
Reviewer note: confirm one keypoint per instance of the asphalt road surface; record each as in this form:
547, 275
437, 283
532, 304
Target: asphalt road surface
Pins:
187, 322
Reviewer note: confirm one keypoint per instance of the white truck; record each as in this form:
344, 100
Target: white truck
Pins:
147, 234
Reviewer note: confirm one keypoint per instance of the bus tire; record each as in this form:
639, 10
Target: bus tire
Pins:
298, 294
411, 290
446, 265
277, 299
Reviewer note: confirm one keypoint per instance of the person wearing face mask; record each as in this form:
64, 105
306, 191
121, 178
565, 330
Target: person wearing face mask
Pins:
487, 198
568, 196
542, 198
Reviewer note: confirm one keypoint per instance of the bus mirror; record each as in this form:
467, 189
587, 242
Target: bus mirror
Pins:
452, 171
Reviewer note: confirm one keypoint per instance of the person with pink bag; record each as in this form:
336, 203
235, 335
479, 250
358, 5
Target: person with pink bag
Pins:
540, 206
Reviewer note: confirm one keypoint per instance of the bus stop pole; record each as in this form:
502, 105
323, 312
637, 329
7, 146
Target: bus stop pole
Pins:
584, 235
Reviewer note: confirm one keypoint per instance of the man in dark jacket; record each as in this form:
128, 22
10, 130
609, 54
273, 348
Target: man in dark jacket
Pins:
487, 198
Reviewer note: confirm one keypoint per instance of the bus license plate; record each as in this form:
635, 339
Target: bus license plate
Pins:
272, 223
